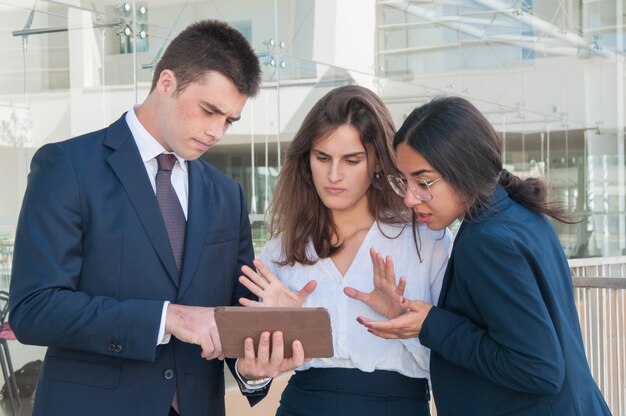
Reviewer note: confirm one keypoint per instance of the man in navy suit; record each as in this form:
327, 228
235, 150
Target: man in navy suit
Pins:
95, 277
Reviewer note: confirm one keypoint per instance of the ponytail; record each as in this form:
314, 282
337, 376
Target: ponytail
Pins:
532, 194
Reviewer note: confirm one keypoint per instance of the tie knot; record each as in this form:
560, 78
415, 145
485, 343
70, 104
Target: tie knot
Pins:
166, 161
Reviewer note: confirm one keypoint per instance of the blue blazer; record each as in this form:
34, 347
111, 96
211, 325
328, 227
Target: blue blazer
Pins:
92, 267
505, 336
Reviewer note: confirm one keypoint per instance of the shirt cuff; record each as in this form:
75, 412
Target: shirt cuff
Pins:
251, 385
163, 338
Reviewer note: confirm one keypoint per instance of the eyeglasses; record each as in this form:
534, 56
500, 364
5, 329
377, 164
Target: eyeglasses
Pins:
420, 188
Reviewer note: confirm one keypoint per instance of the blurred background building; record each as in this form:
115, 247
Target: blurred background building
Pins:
549, 75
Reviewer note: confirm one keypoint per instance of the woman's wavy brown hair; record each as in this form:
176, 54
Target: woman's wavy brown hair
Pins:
296, 211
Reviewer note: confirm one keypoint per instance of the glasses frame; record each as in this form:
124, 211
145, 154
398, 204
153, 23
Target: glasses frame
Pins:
412, 186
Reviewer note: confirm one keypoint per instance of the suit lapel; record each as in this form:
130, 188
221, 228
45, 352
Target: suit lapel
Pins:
128, 166
198, 220
498, 202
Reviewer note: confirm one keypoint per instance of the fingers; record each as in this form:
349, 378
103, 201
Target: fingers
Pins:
378, 265
253, 277
263, 354
381, 334
413, 305
383, 268
247, 302
251, 286
307, 290
208, 354
269, 359
194, 325
246, 365
356, 294
212, 346
248, 351
408, 325
378, 325
264, 271
389, 274
297, 357
278, 351
363, 320
401, 286
209, 350
375, 329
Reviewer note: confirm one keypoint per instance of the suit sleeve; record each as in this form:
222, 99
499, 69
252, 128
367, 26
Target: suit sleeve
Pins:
47, 307
517, 347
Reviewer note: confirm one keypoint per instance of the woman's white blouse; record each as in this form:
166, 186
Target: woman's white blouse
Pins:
353, 346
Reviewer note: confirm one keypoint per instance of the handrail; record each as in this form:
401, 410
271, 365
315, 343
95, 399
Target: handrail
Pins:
600, 282
601, 303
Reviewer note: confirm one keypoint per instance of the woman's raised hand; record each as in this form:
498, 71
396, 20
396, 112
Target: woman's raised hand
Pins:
406, 326
386, 296
270, 290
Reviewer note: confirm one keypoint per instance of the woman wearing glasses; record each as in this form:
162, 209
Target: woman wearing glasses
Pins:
331, 208
505, 335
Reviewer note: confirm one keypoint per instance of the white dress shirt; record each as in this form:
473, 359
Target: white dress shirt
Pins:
354, 347
149, 149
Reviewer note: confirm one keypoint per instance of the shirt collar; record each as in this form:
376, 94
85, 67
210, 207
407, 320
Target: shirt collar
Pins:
148, 146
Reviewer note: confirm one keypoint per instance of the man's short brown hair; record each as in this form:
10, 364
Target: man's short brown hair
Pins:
211, 45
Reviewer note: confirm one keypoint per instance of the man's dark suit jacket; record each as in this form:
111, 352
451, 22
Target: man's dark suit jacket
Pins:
505, 337
93, 266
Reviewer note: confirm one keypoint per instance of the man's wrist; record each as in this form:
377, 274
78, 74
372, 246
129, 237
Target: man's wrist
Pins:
251, 384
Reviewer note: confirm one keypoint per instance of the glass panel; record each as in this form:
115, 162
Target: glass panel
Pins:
549, 76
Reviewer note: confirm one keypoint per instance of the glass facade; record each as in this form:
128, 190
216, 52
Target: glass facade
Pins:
548, 74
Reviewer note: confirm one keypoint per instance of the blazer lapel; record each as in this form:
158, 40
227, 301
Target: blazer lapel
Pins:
498, 201
198, 220
128, 166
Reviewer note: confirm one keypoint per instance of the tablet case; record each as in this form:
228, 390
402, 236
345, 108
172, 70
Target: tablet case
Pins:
311, 326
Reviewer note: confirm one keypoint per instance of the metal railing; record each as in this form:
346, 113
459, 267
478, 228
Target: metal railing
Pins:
6, 258
598, 266
601, 304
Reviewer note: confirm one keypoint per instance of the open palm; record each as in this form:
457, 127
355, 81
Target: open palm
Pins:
386, 296
270, 290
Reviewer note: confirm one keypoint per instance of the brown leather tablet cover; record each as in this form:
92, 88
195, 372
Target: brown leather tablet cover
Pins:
311, 326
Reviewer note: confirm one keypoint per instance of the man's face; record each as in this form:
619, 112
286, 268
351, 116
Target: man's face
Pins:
192, 121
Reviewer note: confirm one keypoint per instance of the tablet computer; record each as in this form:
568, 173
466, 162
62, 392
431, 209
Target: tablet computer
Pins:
311, 326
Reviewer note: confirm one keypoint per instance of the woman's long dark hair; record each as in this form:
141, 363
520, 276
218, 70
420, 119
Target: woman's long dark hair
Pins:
296, 211
459, 142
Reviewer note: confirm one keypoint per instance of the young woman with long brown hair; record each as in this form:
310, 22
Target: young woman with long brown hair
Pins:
334, 222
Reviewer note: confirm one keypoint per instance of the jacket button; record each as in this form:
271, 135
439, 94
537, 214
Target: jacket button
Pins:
111, 347
168, 374
118, 348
